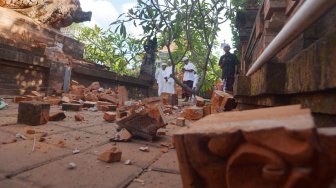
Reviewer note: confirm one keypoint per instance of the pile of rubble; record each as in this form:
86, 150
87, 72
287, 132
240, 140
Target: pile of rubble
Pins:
135, 118
140, 118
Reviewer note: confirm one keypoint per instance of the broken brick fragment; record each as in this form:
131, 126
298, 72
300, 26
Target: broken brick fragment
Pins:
91, 97
110, 116
173, 99
18, 99
122, 136
109, 108
121, 113
200, 102
111, 155
71, 107
33, 113
89, 104
101, 105
221, 101
206, 110
79, 117
110, 98
193, 113
34, 98
140, 125
30, 131
57, 116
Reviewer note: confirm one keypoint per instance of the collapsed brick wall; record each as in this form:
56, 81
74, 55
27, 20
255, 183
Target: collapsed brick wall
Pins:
34, 57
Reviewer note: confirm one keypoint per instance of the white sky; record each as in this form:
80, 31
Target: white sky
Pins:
106, 11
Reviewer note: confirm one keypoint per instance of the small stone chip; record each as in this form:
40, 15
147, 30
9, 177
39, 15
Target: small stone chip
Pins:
75, 151
72, 165
139, 180
144, 149
128, 162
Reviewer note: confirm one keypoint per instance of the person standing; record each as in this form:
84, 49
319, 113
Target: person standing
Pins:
169, 82
196, 78
188, 77
229, 64
160, 78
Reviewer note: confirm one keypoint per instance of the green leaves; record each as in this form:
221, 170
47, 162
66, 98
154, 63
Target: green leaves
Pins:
117, 51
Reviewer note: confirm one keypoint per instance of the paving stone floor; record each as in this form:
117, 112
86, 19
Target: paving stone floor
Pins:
46, 166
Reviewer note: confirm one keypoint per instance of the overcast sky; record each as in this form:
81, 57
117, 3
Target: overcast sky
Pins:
106, 11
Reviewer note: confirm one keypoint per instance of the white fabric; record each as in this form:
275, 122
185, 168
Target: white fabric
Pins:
188, 75
169, 85
159, 76
196, 77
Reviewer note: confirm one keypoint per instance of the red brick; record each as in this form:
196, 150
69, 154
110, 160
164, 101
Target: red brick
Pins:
193, 113
173, 99
122, 136
57, 116
20, 98
122, 95
33, 113
100, 105
79, 117
109, 98
206, 110
71, 107
109, 108
34, 98
91, 97
110, 116
121, 113
200, 102
88, 104
111, 155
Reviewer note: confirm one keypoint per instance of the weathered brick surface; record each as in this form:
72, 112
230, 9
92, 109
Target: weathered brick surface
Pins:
33, 113
111, 155
110, 116
57, 116
71, 107
193, 113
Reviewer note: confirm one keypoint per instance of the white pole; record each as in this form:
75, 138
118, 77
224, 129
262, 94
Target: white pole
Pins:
307, 14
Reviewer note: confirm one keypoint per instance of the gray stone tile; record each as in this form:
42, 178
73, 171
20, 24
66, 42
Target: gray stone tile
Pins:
19, 156
15, 183
167, 163
89, 173
130, 151
76, 140
158, 180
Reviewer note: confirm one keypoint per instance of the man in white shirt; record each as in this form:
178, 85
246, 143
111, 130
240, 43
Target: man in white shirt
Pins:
169, 83
160, 78
188, 77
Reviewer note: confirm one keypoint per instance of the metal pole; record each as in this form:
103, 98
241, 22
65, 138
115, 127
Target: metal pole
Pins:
306, 15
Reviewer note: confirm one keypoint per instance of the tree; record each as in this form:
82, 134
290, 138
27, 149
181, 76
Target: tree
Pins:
120, 53
191, 24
